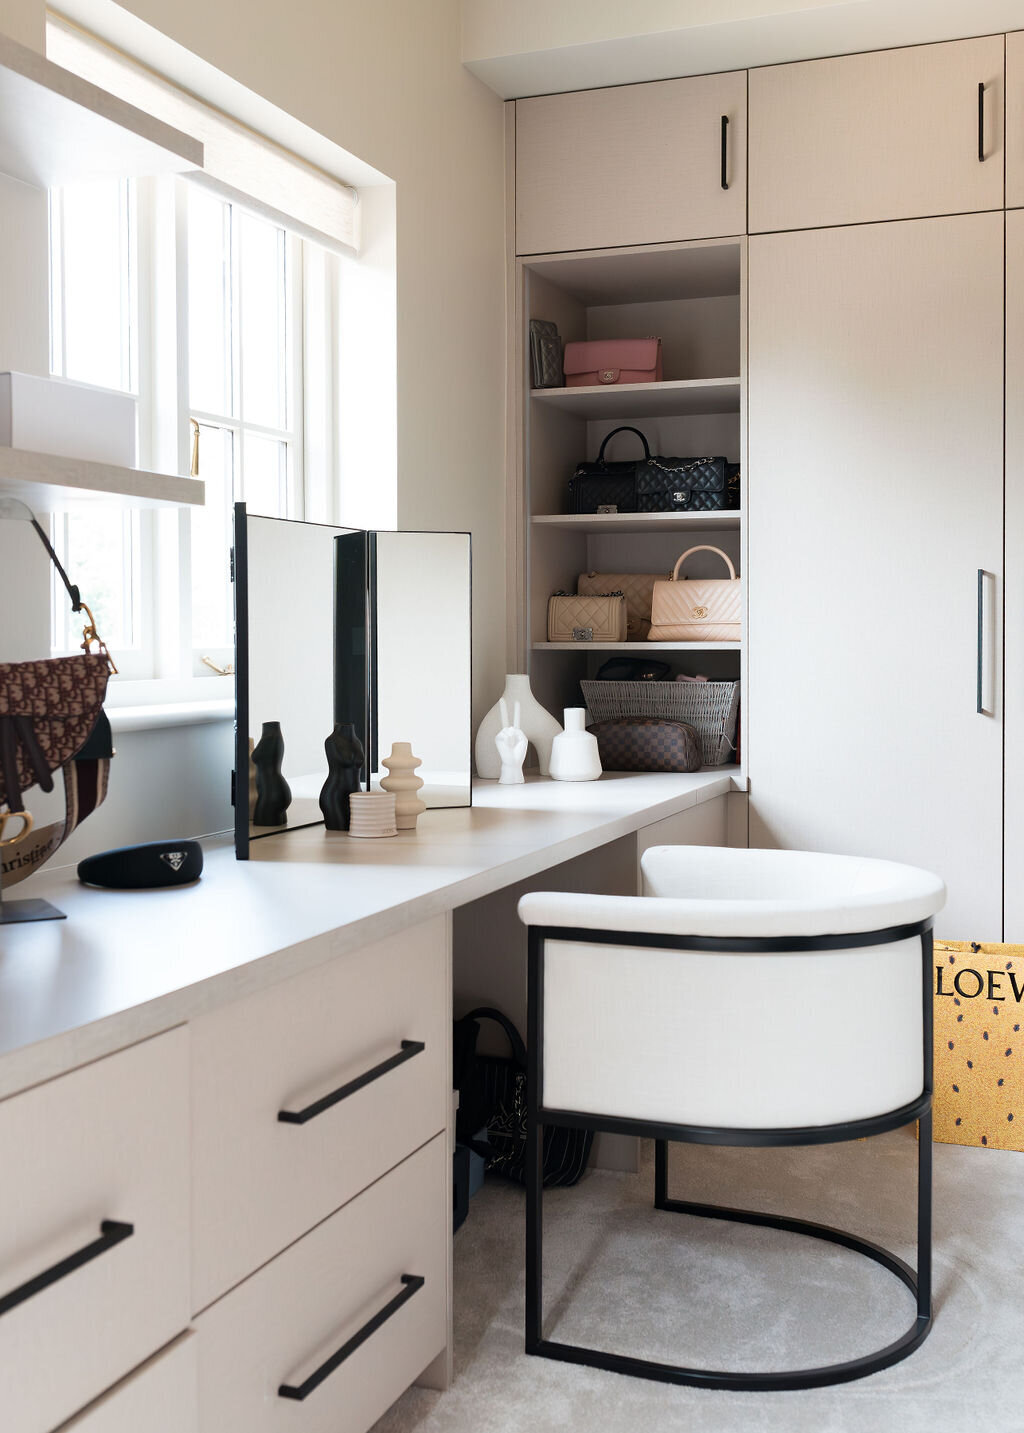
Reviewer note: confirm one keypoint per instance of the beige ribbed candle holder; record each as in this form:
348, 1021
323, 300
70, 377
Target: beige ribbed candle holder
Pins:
371, 813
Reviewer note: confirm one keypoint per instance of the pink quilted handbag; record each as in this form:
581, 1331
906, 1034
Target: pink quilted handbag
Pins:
697, 609
612, 360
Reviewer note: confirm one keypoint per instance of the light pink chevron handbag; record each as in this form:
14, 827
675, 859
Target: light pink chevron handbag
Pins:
697, 609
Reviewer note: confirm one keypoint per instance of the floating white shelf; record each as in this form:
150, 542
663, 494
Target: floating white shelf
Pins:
640, 521
45, 482
58, 127
673, 398
636, 647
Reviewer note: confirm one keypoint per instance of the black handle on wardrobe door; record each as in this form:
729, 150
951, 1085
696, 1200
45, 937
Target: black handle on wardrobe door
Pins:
299, 1117
412, 1282
111, 1233
981, 640
981, 123
725, 151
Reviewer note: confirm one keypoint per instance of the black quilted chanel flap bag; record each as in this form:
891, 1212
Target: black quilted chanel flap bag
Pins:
647, 484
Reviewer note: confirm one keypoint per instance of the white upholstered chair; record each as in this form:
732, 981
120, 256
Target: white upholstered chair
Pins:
629, 1032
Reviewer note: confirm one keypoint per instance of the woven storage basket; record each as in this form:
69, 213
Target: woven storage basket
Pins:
709, 707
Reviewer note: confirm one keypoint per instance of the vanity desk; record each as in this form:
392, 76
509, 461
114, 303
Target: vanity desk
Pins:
232, 1102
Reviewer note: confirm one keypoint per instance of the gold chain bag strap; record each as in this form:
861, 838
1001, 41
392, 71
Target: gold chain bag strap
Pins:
51, 719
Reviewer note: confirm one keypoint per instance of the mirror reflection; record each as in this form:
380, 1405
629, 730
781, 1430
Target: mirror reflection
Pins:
422, 662
288, 709
337, 625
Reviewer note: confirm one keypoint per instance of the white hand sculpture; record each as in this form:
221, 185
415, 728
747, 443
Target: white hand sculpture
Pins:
512, 745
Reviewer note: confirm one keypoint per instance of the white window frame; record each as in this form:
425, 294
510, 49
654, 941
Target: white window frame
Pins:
237, 423
168, 666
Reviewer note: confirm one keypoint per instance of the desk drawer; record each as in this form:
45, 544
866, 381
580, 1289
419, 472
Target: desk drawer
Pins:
258, 1183
103, 1148
292, 1317
159, 1397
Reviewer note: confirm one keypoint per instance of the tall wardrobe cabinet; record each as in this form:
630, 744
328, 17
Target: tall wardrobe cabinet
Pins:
877, 413
875, 422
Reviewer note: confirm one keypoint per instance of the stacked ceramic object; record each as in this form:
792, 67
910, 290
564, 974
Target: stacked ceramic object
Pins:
372, 813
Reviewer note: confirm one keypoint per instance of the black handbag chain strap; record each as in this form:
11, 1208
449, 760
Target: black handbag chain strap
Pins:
671, 468
486, 1012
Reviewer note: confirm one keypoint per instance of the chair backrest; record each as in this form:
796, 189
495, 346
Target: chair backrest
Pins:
738, 1041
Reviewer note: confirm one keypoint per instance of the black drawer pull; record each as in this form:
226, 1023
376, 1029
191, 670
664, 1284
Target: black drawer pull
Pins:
725, 151
299, 1117
111, 1233
412, 1283
981, 123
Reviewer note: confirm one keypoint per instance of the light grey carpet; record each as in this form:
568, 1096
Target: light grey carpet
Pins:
624, 1276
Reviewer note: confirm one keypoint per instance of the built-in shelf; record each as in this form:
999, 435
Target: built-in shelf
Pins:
640, 522
58, 128
673, 398
45, 482
636, 647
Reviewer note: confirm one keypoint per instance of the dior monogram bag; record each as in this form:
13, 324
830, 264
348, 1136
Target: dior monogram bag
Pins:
51, 719
697, 609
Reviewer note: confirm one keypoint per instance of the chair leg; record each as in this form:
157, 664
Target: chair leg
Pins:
918, 1283
534, 1233
924, 1218
660, 1173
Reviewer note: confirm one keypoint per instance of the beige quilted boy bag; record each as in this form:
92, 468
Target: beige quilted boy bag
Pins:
638, 590
597, 618
697, 609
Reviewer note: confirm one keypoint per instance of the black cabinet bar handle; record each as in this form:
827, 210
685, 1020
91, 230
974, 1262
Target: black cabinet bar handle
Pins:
981, 639
981, 123
725, 151
299, 1117
111, 1233
412, 1282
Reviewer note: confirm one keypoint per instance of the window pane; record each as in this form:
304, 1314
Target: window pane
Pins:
264, 333
211, 541
266, 476
98, 279
211, 386
98, 550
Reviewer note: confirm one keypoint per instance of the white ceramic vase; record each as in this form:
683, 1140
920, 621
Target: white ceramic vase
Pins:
404, 783
574, 754
538, 725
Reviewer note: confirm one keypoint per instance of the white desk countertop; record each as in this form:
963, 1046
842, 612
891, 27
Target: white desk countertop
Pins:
128, 964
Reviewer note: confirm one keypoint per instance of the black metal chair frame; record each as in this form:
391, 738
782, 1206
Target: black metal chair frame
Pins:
539, 1116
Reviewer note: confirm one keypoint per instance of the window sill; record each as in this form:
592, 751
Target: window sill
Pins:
165, 714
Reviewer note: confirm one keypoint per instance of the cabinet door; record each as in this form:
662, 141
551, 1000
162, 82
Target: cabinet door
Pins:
639, 164
1015, 120
888, 135
1013, 915
875, 496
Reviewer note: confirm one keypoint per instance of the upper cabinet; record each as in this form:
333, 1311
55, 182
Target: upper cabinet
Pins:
638, 164
1015, 120
896, 134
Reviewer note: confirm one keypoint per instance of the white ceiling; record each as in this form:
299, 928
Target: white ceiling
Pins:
524, 47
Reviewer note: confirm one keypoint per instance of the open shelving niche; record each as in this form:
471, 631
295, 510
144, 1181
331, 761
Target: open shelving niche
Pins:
691, 295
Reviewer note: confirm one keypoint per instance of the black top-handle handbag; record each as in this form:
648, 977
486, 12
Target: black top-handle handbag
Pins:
492, 1096
647, 484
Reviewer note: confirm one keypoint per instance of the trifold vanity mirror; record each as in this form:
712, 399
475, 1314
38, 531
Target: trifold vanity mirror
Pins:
339, 625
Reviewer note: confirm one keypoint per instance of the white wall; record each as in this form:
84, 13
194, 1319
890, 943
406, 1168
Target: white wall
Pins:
384, 81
